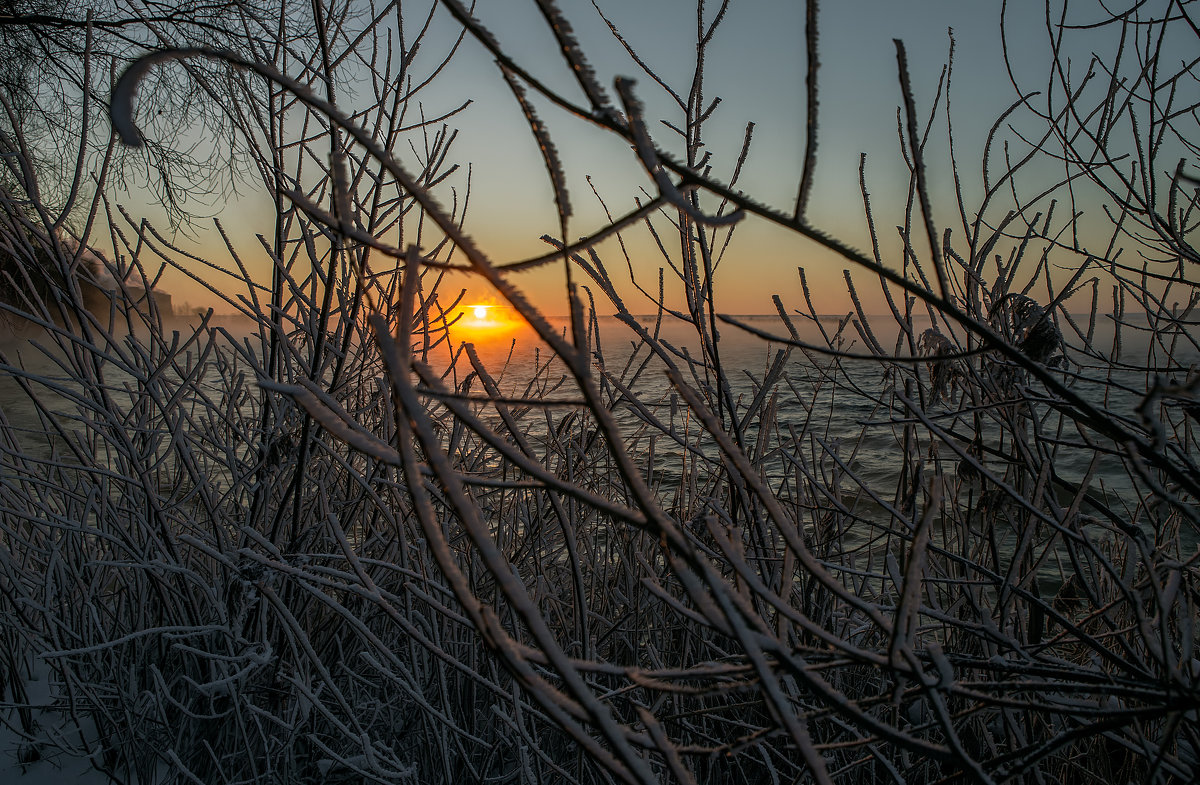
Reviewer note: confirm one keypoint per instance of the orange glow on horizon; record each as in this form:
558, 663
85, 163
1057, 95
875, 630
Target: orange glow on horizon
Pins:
481, 322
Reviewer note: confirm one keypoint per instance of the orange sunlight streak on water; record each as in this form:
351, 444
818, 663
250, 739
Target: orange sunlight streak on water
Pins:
481, 323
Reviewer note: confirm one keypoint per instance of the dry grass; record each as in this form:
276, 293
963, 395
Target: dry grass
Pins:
310, 548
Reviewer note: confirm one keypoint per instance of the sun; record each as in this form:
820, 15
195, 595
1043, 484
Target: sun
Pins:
480, 321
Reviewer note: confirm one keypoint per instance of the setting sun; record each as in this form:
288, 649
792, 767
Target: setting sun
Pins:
485, 321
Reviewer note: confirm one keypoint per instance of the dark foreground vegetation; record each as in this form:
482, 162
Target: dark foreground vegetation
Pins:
315, 550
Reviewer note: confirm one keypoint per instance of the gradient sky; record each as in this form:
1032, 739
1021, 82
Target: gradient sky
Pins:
756, 65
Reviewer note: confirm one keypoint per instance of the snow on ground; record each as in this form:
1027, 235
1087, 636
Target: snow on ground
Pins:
52, 765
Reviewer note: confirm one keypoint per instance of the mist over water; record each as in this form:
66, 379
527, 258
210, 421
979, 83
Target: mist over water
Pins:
839, 419
862, 422
863, 419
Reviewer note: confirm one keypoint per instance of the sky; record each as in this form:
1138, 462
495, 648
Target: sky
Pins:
756, 65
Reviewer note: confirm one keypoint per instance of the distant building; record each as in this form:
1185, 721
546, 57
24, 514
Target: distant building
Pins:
99, 299
101, 290
104, 297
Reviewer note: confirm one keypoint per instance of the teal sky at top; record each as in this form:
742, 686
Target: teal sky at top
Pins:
756, 65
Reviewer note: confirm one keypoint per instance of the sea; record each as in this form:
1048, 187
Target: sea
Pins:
837, 405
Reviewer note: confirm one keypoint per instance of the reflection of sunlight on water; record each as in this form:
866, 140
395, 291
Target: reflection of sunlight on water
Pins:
485, 323
491, 329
